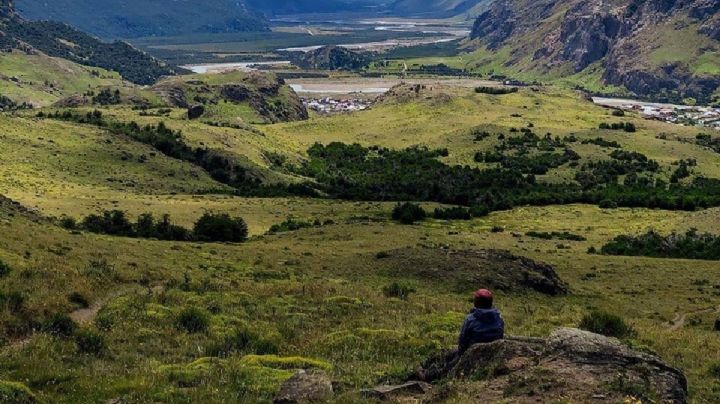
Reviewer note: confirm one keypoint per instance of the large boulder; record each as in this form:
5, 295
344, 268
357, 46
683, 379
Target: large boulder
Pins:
396, 392
195, 111
306, 386
572, 365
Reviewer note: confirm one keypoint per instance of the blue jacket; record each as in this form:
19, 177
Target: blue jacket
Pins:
481, 326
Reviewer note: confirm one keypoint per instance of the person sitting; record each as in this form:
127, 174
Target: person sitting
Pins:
484, 323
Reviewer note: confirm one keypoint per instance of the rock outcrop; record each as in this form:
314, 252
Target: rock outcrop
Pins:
571, 365
329, 58
467, 270
306, 386
265, 93
625, 37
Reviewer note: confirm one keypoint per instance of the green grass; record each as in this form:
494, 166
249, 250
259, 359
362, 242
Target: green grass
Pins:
316, 294
43, 80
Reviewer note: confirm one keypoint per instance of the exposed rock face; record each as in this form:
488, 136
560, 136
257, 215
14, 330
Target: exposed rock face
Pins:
571, 364
471, 269
306, 386
7, 8
330, 58
618, 34
267, 94
195, 111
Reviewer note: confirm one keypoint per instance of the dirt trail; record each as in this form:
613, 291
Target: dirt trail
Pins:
88, 314
679, 321
80, 316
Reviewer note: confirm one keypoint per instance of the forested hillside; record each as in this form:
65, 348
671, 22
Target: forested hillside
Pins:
128, 19
61, 40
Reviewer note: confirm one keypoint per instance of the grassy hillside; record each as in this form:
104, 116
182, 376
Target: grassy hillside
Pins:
42, 80
174, 321
122, 19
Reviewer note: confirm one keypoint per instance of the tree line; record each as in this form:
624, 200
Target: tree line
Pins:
415, 174
210, 227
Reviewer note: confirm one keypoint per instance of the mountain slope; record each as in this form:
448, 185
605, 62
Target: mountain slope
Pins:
440, 8
279, 7
61, 40
666, 50
128, 19
41, 80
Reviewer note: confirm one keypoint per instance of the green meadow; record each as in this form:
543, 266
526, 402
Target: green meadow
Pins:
167, 321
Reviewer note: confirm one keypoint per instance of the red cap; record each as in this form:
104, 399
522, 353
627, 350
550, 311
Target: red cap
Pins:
483, 294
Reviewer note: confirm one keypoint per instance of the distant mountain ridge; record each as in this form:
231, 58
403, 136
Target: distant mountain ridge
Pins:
279, 7
667, 49
136, 18
440, 8
63, 41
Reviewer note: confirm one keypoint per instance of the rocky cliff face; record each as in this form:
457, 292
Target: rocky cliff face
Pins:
267, 94
634, 40
329, 58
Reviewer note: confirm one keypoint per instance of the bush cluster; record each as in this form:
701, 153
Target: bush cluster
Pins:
398, 290
626, 126
193, 320
210, 227
408, 213
691, 245
496, 90
555, 236
607, 324
455, 213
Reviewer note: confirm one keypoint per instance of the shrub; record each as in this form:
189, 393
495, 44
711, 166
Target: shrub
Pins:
60, 325
690, 245
606, 324
237, 341
100, 268
479, 211
555, 236
220, 227
290, 224
90, 342
16, 393
114, 222
79, 299
496, 90
12, 301
408, 213
193, 320
67, 222
714, 370
4, 269
456, 213
398, 290
608, 204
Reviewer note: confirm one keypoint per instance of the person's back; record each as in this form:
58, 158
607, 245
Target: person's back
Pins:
484, 323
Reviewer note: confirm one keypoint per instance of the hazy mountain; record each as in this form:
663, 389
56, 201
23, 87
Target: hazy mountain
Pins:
276, 7
135, 18
665, 49
440, 8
